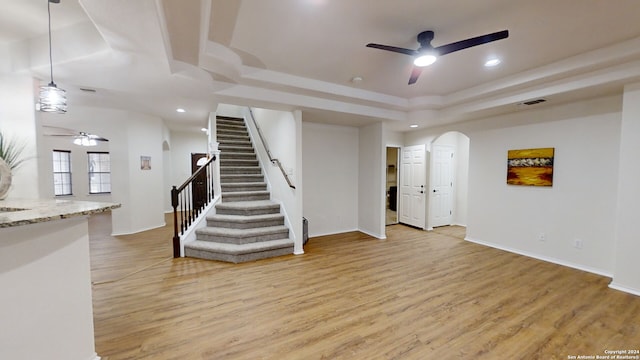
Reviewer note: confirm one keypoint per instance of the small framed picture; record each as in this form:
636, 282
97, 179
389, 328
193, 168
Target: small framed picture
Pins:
145, 162
530, 167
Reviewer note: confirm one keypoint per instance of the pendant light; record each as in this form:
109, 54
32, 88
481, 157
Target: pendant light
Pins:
52, 98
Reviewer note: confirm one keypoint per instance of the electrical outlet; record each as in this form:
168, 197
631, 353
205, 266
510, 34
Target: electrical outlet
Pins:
578, 244
542, 236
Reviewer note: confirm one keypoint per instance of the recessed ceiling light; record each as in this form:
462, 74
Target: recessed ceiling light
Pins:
356, 79
413, 125
181, 110
492, 62
204, 129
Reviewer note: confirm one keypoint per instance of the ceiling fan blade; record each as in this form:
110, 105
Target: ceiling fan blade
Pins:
475, 41
415, 73
58, 131
394, 49
98, 138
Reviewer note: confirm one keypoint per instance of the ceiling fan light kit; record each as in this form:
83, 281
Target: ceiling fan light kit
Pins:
80, 138
425, 60
52, 98
85, 141
426, 54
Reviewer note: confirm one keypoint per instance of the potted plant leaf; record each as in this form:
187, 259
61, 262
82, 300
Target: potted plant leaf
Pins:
10, 159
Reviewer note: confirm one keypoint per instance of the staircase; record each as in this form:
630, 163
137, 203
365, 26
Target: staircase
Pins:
247, 225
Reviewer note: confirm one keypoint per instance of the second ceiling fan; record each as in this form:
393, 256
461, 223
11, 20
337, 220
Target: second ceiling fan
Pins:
426, 54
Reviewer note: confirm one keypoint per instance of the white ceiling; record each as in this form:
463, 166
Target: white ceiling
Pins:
157, 55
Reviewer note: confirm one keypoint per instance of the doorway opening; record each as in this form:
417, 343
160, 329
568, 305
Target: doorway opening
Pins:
199, 188
448, 180
391, 208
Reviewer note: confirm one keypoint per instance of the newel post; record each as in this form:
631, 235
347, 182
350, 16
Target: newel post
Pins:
176, 237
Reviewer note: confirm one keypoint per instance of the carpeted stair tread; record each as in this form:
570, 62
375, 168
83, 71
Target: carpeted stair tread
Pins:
247, 225
240, 170
240, 248
238, 155
245, 195
232, 148
240, 178
241, 233
245, 218
237, 253
258, 204
239, 143
243, 186
239, 184
225, 162
226, 138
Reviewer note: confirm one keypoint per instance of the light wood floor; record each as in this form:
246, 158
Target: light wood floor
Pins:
416, 295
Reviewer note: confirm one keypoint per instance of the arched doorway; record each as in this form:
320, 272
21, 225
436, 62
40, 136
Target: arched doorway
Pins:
448, 180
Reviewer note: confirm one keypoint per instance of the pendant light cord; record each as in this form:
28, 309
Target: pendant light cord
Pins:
50, 56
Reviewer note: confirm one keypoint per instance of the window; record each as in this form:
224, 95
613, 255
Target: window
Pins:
99, 172
61, 172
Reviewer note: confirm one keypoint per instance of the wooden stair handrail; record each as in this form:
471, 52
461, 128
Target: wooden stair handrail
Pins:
188, 210
266, 147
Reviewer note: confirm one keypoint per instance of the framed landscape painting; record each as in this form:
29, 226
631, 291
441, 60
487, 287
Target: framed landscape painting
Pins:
530, 167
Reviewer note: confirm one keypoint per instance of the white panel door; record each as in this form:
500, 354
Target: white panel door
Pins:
412, 182
441, 202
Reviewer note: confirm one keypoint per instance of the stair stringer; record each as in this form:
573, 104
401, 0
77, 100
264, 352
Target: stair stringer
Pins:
280, 191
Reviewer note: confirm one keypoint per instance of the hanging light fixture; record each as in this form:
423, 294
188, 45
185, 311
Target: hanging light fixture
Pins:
52, 98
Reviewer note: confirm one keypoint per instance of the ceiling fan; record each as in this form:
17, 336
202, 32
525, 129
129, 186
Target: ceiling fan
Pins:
426, 54
79, 137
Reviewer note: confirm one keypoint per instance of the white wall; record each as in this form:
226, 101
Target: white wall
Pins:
282, 133
143, 206
79, 167
130, 135
46, 307
371, 181
580, 205
278, 129
462, 180
330, 177
182, 145
230, 110
18, 121
627, 268
393, 138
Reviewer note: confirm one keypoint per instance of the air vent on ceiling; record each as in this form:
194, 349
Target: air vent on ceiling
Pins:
532, 102
88, 90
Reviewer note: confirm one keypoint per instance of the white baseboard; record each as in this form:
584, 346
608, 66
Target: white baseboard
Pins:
543, 258
331, 233
377, 236
141, 230
348, 231
619, 287
95, 357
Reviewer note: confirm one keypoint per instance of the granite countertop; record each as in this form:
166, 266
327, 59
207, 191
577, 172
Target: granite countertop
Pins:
17, 212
